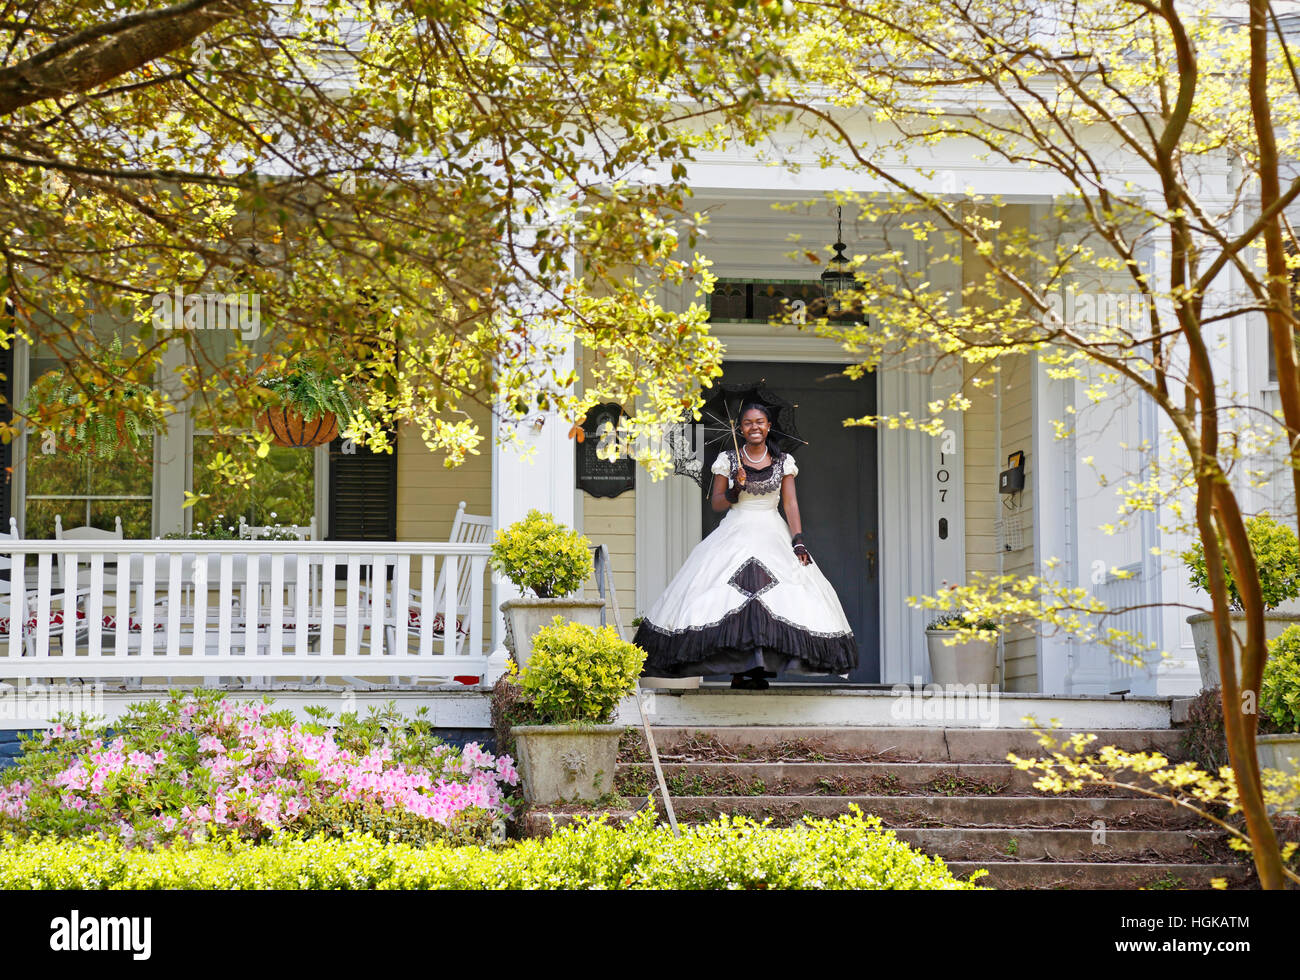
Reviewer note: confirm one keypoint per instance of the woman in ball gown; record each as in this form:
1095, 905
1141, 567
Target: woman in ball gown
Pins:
749, 600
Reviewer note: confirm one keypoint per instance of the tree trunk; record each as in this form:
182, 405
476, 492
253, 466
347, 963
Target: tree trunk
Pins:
1240, 717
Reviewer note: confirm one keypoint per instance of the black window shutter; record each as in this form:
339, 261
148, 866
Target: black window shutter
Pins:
362, 493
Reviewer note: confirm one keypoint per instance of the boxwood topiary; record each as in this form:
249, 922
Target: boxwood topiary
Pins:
1279, 696
1277, 556
543, 555
579, 673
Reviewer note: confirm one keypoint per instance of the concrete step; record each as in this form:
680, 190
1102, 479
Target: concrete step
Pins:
835, 779
897, 706
1071, 812
810, 744
1100, 875
1020, 844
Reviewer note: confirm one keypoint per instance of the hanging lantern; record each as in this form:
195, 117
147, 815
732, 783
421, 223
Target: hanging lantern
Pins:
290, 430
838, 277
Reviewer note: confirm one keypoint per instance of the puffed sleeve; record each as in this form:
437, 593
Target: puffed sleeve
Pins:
788, 466
723, 465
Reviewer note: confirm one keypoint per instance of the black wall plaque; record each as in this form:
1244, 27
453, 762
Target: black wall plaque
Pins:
602, 477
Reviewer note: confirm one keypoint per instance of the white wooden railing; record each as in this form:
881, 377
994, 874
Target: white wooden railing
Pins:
1128, 596
246, 608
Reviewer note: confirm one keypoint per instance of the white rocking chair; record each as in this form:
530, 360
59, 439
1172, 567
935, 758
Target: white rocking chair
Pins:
465, 529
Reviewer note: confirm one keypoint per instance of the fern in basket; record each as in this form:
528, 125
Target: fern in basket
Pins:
312, 392
94, 415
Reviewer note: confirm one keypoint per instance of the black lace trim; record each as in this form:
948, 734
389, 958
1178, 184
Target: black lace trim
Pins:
750, 627
758, 482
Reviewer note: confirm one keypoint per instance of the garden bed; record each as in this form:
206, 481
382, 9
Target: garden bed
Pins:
850, 851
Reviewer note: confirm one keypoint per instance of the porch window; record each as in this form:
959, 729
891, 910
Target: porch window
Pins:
283, 489
81, 489
87, 491
763, 300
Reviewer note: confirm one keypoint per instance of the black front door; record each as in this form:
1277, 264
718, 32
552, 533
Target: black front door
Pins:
836, 488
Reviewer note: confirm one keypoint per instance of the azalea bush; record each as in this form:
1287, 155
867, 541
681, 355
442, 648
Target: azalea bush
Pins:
850, 851
201, 766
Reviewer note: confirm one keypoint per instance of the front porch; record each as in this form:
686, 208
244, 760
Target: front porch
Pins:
464, 710
936, 518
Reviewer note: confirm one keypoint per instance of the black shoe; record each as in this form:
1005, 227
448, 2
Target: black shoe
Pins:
748, 682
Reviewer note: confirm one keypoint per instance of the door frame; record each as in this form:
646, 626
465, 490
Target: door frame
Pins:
668, 513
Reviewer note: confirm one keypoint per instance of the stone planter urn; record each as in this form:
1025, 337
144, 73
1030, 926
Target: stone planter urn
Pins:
567, 763
972, 662
524, 617
1202, 624
1280, 752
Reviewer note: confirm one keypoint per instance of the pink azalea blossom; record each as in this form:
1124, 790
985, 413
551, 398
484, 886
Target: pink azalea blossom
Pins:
271, 776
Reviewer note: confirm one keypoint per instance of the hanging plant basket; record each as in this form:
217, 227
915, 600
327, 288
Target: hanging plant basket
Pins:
290, 430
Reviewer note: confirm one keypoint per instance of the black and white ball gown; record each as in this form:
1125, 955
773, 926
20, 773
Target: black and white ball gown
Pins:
742, 599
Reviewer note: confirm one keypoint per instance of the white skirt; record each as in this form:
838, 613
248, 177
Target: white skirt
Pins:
742, 600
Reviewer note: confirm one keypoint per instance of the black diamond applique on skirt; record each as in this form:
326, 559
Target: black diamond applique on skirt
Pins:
752, 579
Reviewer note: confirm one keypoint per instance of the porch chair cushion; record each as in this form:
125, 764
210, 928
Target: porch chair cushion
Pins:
289, 627
110, 623
29, 625
413, 622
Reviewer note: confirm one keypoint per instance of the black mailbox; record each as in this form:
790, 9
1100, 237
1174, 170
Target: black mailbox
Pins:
1012, 480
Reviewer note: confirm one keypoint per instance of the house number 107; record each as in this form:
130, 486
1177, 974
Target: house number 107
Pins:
948, 447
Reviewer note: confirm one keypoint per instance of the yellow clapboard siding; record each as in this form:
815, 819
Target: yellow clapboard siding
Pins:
428, 493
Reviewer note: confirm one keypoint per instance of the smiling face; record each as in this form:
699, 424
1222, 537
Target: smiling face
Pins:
754, 427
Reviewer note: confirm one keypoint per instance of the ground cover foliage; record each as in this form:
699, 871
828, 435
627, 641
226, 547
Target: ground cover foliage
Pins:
850, 851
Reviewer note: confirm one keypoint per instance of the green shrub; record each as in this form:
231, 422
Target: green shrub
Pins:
1279, 696
850, 851
540, 554
579, 673
1203, 740
1277, 555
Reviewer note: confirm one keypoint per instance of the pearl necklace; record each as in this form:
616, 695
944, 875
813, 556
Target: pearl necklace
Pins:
745, 450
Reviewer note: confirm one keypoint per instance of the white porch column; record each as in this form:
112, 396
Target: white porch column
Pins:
545, 482
921, 485
171, 450
921, 482
1063, 666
